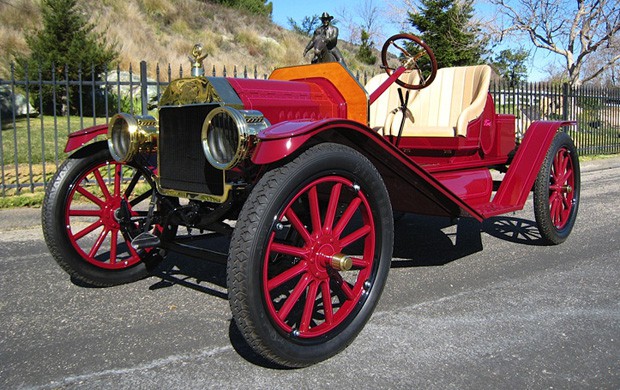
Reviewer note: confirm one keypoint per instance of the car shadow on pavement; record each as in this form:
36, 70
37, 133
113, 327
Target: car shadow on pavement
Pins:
421, 241
200, 274
517, 230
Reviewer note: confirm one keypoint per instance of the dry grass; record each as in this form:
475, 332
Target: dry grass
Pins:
164, 31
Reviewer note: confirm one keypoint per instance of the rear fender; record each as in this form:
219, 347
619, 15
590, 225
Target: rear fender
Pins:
80, 138
520, 177
411, 188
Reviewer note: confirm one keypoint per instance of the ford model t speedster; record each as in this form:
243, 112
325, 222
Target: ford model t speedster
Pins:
304, 171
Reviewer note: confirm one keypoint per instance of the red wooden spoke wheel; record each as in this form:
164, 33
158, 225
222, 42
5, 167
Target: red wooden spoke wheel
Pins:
92, 211
310, 255
561, 188
556, 191
92, 214
311, 284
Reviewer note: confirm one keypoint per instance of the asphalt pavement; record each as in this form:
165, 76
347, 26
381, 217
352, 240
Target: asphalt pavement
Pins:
467, 306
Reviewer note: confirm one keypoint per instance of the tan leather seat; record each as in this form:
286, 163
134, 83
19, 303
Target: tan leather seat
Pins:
389, 100
456, 97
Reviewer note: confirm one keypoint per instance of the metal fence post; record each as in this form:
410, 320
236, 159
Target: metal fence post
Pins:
144, 87
565, 101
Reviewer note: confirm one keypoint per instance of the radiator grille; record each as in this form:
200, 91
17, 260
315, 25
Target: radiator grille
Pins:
182, 163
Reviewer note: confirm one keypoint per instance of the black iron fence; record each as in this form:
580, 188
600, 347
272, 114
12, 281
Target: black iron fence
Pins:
38, 113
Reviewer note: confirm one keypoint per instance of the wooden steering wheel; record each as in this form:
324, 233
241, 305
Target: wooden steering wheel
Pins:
414, 55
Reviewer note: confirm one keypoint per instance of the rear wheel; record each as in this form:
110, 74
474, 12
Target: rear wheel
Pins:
94, 206
310, 255
556, 191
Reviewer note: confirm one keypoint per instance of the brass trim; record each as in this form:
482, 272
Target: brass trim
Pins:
341, 262
196, 196
248, 123
143, 132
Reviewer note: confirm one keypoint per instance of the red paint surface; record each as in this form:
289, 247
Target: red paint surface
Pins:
472, 186
279, 101
80, 138
284, 139
519, 179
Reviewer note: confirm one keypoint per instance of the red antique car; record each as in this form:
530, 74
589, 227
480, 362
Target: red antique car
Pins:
304, 172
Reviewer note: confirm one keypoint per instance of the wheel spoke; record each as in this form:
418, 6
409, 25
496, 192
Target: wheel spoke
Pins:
88, 229
346, 217
555, 211
568, 175
315, 212
293, 298
356, 235
117, 179
289, 250
344, 286
113, 246
98, 243
557, 165
298, 225
286, 275
137, 200
332, 206
102, 184
90, 196
132, 184
84, 213
328, 309
566, 202
306, 317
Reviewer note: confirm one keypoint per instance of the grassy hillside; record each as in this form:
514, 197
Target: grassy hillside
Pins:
164, 31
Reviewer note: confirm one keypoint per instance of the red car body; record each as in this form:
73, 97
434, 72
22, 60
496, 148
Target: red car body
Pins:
311, 183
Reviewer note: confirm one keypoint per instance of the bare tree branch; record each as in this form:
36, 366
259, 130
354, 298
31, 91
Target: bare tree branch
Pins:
573, 29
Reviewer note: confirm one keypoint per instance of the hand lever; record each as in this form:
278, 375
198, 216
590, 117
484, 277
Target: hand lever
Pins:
403, 109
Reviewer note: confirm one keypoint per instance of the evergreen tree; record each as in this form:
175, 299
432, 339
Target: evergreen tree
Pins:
445, 25
511, 66
365, 51
66, 42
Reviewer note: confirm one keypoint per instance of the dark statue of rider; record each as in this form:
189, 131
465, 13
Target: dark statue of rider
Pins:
323, 42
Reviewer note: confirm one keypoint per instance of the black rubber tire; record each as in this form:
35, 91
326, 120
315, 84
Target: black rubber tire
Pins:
251, 237
550, 233
56, 233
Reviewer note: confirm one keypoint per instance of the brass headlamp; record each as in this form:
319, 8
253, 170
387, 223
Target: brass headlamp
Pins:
128, 134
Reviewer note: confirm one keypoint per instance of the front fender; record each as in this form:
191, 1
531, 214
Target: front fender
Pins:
80, 138
283, 139
411, 187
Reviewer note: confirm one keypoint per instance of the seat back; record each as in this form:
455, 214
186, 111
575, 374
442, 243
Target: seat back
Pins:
388, 100
443, 109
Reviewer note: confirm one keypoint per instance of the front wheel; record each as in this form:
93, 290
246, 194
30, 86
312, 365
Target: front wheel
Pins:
93, 207
556, 190
310, 255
